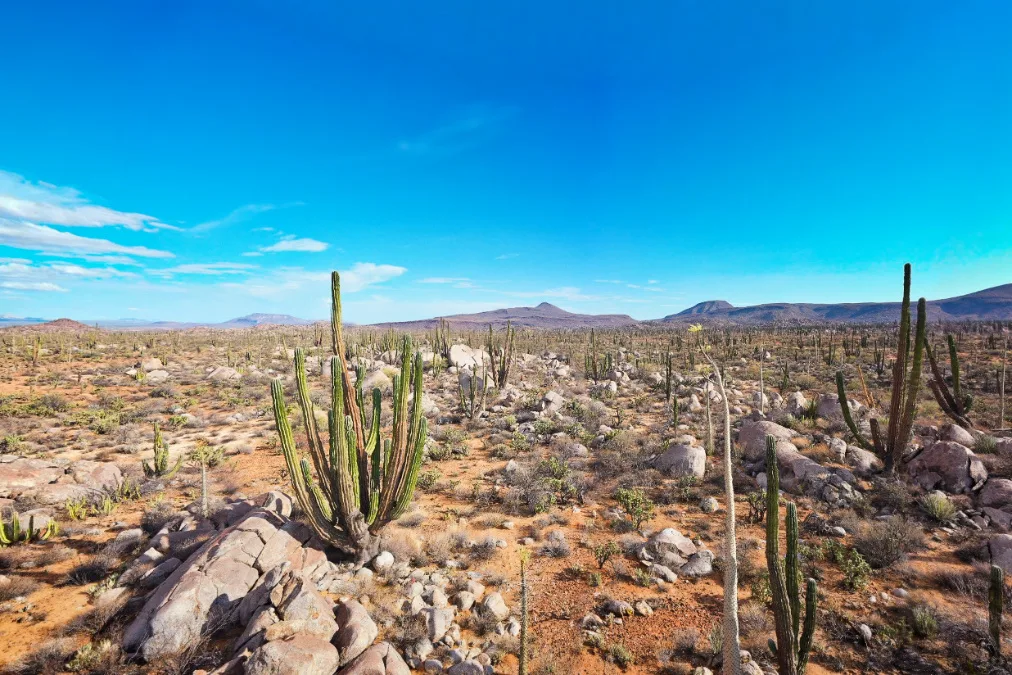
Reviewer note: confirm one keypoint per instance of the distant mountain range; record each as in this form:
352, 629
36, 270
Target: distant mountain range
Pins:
545, 315
993, 304
248, 321
989, 304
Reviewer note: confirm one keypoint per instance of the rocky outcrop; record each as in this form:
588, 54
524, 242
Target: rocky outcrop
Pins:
949, 466
233, 573
54, 481
380, 659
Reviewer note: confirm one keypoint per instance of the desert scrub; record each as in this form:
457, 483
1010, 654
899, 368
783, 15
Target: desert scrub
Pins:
886, 542
637, 505
939, 507
605, 552
620, 656
427, 479
985, 445
923, 621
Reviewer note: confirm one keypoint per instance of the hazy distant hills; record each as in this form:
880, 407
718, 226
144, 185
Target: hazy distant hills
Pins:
545, 315
248, 321
989, 304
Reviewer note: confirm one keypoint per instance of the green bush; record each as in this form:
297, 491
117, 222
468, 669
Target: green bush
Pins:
636, 503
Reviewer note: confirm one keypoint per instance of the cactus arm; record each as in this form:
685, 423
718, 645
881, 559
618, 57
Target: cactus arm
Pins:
808, 632
913, 384
309, 421
957, 390
791, 567
995, 606
847, 417
899, 369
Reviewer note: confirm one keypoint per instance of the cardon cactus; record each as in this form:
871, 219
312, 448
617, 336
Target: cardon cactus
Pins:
359, 482
995, 607
794, 639
159, 467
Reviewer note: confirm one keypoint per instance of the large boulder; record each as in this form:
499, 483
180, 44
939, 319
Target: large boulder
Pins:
996, 493
752, 438
380, 659
864, 462
463, 356
224, 374
297, 655
956, 434
151, 363
357, 632
829, 406
796, 403
682, 460
949, 466
377, 379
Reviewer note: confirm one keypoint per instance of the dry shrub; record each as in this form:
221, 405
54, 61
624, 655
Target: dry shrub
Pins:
886, 542
16, 587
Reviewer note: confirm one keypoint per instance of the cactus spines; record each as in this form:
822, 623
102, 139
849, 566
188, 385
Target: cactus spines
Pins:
995, 607
358, 482
794, 635
159, 467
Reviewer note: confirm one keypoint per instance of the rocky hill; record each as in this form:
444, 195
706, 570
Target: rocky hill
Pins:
545, 315
989, 304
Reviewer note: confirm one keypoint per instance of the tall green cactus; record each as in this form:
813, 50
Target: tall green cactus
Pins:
159, 468
350, 490
501, 355
995, 607
953, 403
905, 387
794, 638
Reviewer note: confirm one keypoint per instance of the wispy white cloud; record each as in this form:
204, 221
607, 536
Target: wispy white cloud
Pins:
294, 244
507, 256
239, 215
213, 269
31, 286
285, 280
41, 202
362, 275
33, 237
472, 127
253, 254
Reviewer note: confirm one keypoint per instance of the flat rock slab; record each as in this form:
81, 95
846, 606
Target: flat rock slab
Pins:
53, 482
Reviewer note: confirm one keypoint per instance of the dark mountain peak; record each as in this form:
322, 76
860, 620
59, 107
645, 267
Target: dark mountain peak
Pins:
548, 307
707, 307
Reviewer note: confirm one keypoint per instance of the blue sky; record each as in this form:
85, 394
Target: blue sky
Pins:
204, 160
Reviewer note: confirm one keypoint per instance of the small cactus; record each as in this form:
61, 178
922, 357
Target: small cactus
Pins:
159, 468
13, 533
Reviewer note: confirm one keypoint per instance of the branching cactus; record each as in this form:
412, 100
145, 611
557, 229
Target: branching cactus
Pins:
954, 402
159, 467
905, 387
501, 355
358, 482
794, 638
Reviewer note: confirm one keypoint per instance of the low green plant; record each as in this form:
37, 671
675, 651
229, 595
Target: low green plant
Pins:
938, 507
605, 552
12, 531
636, 503
924, 622
620, 655
427, 479
855, 568
77, 509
